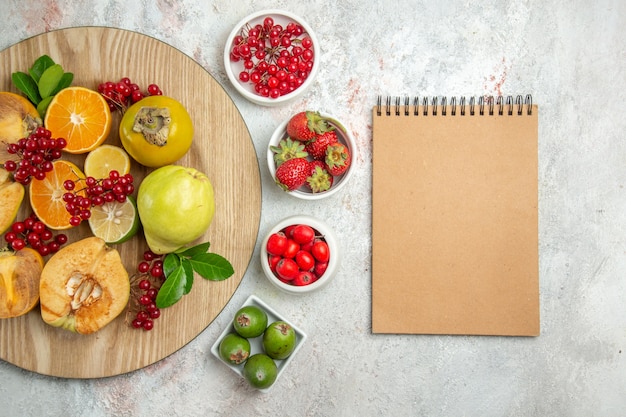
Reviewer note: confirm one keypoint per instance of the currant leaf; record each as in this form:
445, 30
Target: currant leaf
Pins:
173, 288
212, 266
27, 85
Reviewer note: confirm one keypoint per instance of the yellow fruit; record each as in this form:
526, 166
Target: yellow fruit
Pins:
20, 272
156, 131
176, 206
18, 119
11, 196
81, 116
84, 286
46, 196
104, 159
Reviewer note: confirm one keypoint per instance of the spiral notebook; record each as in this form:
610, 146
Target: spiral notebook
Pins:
455, 216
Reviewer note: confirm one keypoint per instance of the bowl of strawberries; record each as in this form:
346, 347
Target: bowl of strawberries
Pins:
300, 254
310, 155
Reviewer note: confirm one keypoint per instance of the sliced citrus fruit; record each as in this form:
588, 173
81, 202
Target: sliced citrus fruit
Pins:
81, 116
104, 159
115, 222
46, 196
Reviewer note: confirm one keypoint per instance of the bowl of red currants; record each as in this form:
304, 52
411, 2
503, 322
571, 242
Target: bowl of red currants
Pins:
310, 155
271, 57
300, 254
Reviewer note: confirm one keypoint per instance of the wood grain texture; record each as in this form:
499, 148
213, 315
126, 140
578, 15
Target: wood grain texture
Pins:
222, 148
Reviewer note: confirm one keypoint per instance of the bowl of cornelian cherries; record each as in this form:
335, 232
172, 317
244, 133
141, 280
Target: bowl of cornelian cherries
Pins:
300, 254
272, 57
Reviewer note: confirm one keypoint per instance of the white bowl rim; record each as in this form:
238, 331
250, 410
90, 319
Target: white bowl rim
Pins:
275, 139
255, 98
331, 240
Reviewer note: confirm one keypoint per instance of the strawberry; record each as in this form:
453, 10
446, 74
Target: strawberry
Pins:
305, 125
292, 174
288, 149
319, 180
338, 158
316, 147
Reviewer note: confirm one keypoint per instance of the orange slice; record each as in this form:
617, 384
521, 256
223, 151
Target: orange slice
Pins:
46, 196
81, 116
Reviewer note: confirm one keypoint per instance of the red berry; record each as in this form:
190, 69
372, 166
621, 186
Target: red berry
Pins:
304, 278
276, 244
320, 251
303, 233
305, 260
148, 324
287, 269
272, 260
292, 248
320, 268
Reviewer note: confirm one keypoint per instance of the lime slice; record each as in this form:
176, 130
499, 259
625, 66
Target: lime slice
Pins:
104, 159
115, 222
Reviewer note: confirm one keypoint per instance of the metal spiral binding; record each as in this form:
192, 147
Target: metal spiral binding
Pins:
484, 105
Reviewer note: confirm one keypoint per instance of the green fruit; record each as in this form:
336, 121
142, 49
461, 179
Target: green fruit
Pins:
234, 349
176, 206
250, 321
260, 370
279, 340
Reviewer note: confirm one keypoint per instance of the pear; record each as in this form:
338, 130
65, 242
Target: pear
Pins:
176, 206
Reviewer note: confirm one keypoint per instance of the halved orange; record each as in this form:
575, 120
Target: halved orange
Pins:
46, 196
81, 116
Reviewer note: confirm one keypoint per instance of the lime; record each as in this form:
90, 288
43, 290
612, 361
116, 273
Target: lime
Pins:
234, 349
260, 370
115, 222
279, 340
104, 159
250, 321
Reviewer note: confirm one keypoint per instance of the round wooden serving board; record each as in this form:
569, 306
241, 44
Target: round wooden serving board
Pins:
222, 148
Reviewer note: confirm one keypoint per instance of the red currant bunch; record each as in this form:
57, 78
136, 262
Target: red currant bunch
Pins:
32, 232
34, 155
144, 289
275, 59
95, 192
120, 95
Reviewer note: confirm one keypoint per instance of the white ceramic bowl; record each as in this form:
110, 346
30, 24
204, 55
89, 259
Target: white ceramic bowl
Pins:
233, 69
344, 136
333, 263
256, 344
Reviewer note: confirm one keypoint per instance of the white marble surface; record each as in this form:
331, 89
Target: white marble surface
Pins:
570, 54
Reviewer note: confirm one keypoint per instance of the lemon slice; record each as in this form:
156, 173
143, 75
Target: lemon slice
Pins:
115, 222
104, 159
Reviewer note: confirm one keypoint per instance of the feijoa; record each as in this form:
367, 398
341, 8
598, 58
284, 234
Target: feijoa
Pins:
234, 349
279, 340
250, 321
260, 370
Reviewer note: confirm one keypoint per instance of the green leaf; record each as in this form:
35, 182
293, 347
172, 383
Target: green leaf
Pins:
43, 106
66, 81
170, 263
39, 66
49, 80
195, 250
173, 288
212, 266
26, 85
188, 267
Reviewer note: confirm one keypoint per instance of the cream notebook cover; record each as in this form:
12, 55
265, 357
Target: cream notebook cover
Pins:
455, 217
